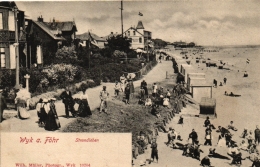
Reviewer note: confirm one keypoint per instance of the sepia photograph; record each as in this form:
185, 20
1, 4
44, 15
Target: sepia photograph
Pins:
129, 83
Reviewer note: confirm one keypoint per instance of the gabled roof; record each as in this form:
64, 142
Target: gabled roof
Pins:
135, 30
86, 36
140, 25
51, 33
63, 26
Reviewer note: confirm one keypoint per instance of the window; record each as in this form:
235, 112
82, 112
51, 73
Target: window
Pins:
128, 33
140, 40
1, 21
134, 32
2, 57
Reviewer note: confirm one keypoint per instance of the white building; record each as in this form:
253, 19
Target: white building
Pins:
139, 37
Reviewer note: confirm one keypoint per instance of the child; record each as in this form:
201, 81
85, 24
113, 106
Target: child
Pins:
180, 120
117, 89
166, 102
148, 101
231, 126
168, 94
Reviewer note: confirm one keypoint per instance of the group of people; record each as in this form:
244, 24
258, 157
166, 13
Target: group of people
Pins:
48, 117
69, 102
192, 147
215, 82
126, 86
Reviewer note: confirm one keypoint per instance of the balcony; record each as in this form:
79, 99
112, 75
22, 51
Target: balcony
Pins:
7, 36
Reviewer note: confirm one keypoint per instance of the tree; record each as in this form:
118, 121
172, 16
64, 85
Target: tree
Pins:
119, 43
159, 43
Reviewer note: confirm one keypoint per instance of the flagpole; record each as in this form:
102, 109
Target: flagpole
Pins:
122, 17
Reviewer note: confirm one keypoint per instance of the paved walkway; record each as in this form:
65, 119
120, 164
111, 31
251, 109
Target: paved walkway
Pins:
157, 74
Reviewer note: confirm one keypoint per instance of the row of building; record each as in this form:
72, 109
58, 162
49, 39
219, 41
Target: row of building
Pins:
36, 39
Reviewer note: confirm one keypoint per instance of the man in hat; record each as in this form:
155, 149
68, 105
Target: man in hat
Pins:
154, 153
257, 135
2, 105
127, 94
104, 95
207, 122
68, 101
194, 136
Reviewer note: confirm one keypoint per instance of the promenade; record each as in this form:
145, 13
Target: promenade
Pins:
157, 74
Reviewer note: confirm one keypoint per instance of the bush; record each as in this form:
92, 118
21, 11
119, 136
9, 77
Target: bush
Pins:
7, 78
60, 73
119, 54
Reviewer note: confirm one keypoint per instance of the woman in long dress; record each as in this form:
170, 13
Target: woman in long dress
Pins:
52, 121
222, 141
131, 84
84, 109
22, 102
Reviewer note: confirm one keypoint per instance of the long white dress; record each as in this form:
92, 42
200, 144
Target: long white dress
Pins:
222, 142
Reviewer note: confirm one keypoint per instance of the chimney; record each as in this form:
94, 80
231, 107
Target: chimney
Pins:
40, 19
53, 20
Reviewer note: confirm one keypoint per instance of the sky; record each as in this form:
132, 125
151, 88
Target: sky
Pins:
205, 22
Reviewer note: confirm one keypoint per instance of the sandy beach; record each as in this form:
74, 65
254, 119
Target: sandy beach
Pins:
243, 110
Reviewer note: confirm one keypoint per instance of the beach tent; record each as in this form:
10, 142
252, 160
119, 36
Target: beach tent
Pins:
201, 90
207, 107
186, 69
195, 81
194, 75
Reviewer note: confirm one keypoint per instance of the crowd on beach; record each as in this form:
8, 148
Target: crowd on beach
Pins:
236, 150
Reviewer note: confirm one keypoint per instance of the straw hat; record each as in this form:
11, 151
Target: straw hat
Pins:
53, 99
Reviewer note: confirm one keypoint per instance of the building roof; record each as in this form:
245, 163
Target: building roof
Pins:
7, 4
86, 36
52, 33
140, 25
63, 26
135, 30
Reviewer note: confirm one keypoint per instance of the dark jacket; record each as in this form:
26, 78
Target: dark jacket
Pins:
127, 91
143, 84
193, 135
257, 132
66, 98
206, 122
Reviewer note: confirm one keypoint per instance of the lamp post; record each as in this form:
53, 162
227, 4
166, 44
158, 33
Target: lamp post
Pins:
16, 44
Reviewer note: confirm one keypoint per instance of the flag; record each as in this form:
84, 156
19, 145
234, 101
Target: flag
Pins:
140, 14
92, 40
247, 61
